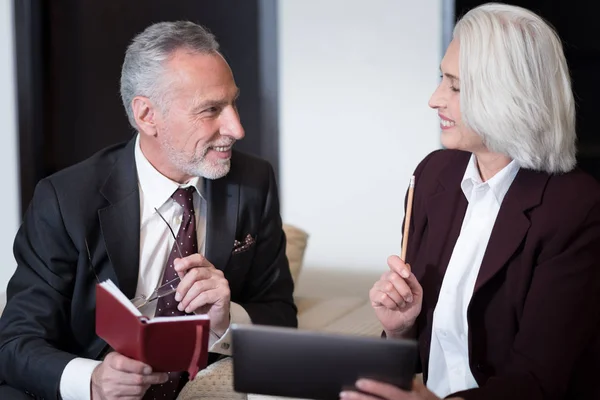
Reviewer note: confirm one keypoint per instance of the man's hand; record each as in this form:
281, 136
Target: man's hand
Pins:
121, 377
397, 298
203, 288
377, 390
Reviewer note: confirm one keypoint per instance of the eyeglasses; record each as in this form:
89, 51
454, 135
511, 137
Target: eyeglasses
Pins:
165, 289
161, 291
90, 263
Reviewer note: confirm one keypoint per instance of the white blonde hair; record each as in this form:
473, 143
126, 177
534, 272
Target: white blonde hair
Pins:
515, 86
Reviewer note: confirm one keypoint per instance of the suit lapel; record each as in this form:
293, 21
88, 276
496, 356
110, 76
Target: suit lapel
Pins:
512, 223
120, 221
445, 212
222, 209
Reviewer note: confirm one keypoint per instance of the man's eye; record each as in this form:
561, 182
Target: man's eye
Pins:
212, 110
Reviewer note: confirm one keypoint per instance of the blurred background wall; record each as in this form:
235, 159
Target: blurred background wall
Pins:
333, 92
10, 199
355, 78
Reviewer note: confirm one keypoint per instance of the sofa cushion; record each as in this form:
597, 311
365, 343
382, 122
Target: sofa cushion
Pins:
2, 301
295, 248
214, 382
316, 314
360, 321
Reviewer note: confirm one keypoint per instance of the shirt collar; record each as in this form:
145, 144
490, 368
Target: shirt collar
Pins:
156, 187
499, 183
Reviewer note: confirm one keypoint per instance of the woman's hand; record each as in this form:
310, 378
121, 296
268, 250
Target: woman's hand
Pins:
374, 390
396, 298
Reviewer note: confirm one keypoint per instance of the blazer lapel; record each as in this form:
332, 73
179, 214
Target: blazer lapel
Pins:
512, 223
222, 209
445, 212
120, 221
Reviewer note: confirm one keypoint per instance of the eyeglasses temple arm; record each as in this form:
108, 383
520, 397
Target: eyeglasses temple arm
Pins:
171, 230
87, 249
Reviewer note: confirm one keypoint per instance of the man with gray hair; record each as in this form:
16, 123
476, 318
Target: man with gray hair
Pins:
116, 216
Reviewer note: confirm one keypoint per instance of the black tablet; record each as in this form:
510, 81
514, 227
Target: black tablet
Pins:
315, 365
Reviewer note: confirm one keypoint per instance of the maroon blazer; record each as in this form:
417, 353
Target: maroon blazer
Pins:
534, 317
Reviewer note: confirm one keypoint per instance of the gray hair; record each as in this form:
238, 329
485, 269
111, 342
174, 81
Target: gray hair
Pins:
515, 87
144, 65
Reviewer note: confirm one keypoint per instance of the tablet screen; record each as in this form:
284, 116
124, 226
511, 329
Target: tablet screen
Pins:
315, 365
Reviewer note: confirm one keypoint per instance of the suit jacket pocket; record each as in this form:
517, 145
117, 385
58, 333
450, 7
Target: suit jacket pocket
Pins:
242, 259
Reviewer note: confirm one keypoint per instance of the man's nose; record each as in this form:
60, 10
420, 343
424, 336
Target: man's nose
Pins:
232, 126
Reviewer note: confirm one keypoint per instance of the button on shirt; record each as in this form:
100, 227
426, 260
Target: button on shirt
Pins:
449, 370
155, 243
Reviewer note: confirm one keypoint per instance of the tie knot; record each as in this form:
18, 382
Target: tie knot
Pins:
185, 198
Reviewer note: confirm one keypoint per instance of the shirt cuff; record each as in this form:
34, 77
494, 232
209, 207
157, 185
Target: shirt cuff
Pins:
222, 345
75, 382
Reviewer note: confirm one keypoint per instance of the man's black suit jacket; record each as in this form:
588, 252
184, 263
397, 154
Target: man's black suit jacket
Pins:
50, 314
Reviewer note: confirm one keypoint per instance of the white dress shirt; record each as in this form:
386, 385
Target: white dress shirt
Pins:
155, 243
449, 370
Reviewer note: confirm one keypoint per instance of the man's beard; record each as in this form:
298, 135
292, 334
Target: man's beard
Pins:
197, 165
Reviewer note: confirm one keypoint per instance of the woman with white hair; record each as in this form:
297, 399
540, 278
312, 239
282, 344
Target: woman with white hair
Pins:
503, 288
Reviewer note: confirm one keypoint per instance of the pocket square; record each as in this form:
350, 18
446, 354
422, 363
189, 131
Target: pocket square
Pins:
243, 245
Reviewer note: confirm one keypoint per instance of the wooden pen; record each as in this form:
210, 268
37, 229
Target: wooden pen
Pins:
409, 202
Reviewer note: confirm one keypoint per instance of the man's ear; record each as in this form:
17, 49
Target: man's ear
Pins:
144, 113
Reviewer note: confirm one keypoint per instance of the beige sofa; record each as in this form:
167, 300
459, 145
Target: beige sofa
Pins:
328, 301
331, 301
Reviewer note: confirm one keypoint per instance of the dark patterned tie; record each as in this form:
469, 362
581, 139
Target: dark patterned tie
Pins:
167, 306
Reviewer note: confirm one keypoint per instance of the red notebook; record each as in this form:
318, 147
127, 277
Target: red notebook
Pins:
167, 344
